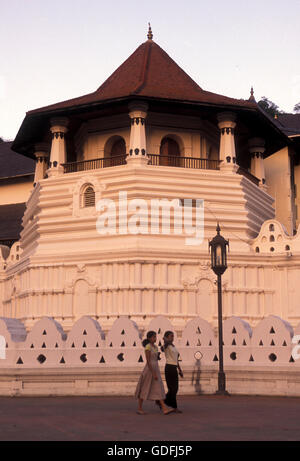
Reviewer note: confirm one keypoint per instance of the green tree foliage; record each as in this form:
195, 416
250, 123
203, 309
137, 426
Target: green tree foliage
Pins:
297, 108
269, 106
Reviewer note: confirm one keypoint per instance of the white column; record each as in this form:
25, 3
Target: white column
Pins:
227, 124
41, 154
137, 147
257, 150
58, 153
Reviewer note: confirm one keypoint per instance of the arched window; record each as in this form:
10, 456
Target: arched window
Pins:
88, 197
115, 151
170, 152
118, 148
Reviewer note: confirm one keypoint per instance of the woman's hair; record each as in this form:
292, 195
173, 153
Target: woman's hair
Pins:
166, 344
149, 335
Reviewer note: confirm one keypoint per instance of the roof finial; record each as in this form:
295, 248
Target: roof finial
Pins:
150, 35
252, 98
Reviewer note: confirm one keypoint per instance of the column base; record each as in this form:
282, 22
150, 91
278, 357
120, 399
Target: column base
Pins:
222, 384
263, 187
53, 172
137, 160
226, 167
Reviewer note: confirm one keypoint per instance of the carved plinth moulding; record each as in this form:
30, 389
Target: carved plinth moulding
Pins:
192, 276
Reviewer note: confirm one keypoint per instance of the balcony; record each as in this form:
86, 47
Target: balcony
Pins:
94, 164
183, 162
154, 159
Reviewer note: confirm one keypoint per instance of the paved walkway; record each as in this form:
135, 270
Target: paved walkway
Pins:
108, 418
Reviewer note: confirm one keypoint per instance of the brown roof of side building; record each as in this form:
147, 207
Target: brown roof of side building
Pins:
11, 222
289, 123
12, 164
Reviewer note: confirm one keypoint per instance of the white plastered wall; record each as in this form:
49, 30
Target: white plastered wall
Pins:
278, 180
15, 193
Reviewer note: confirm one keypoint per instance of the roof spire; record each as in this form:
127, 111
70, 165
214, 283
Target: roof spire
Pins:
150, 35
252, 98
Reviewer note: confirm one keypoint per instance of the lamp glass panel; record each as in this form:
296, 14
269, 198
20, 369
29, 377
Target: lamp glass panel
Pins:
219, 259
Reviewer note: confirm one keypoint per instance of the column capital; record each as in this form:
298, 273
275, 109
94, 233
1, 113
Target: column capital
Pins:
256, 142
138, 111
59, 125
226, 120
257, 146
138, 105
41, 150
41, 156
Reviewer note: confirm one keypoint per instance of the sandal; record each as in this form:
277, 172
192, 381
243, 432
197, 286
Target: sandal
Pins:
140, 412
171, 410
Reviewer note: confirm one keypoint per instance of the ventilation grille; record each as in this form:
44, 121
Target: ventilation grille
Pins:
89, 197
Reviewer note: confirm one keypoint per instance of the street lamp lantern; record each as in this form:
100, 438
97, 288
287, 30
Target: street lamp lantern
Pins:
218, 247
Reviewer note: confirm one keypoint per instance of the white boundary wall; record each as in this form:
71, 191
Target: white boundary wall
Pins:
46, 361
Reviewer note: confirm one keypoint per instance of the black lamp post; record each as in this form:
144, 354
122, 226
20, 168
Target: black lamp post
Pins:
218, 248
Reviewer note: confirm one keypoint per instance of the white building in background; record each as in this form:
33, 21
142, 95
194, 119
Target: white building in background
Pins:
152, 132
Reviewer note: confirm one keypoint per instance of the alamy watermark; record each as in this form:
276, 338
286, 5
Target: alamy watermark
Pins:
2, 348
156, 216
295, 351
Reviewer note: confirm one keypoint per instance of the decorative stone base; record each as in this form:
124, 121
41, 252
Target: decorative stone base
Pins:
281, 381
46, 361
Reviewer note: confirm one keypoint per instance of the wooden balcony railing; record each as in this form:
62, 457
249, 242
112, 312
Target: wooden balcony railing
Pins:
94, 164
183, 162
248, 175
154, 159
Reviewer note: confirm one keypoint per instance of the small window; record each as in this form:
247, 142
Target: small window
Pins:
88, 197
271, 228
287, 248
272, 238
257, 249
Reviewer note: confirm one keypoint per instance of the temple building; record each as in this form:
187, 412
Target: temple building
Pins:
16, 182
151, 135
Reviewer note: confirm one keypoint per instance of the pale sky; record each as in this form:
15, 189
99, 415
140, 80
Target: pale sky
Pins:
59, 49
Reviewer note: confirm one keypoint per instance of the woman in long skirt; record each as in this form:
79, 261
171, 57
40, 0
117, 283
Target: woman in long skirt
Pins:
150, 385
171, 373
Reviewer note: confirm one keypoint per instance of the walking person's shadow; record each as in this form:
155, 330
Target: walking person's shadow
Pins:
196, 375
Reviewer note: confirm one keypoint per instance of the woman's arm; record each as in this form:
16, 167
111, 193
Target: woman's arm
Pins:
179, 369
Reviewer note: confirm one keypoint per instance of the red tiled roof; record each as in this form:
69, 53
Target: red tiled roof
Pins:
149, 72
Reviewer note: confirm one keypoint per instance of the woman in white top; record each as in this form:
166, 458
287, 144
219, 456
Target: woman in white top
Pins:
171, 373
